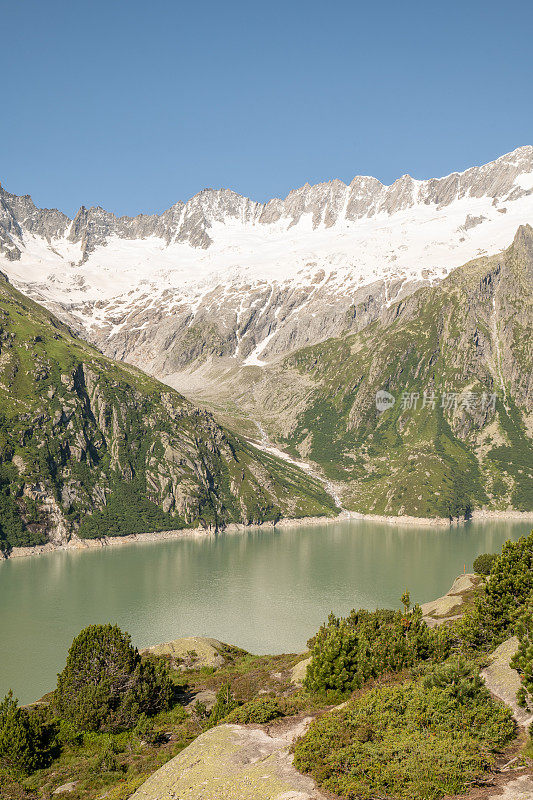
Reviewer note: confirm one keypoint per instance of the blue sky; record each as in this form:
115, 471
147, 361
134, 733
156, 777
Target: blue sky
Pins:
135, 105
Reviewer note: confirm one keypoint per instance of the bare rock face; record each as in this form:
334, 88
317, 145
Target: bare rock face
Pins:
451, 605
504, 681
223, 277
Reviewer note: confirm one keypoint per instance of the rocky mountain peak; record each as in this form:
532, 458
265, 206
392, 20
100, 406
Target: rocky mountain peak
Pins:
325, 204
223, 276
523, 243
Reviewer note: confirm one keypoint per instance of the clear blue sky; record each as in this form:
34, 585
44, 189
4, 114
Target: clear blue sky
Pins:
135, 105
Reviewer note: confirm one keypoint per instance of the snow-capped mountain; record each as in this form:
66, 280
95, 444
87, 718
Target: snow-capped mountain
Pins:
224, 277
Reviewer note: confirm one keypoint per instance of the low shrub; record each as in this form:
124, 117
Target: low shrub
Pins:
27, 738
508, 589
522, 661
107, 760
260, 710
348, 652
225, 703
145, 730
483, 563
416, 741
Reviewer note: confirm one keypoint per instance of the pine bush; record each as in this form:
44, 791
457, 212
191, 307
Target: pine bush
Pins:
105, 685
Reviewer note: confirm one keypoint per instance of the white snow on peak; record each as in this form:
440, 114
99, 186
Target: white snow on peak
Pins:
413, 240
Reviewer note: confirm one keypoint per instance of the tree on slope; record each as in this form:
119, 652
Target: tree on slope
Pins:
105, 685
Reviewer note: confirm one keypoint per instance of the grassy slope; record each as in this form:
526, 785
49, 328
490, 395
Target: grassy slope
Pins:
89, 441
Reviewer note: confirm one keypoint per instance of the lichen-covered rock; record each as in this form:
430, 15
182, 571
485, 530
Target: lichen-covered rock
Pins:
504, 681
233, 762
450, 605
299, 671
192, 652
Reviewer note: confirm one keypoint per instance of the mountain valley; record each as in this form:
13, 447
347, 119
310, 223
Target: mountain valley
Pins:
284, 320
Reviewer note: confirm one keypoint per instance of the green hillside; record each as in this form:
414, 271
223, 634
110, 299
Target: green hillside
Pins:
93, 447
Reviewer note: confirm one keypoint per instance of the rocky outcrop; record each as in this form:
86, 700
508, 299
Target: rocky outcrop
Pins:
450, 606
504, 681
299, 671
233, 762
192, 652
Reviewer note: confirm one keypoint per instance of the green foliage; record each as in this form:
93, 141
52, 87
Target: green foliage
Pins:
105, 685
259, 711
417, 741
516, 458
27, 739
107, 760
508, 589
127, 511
225, 703
463, 469
484, 563
145, 730
458, 677
348, 652
13, 530
523, 659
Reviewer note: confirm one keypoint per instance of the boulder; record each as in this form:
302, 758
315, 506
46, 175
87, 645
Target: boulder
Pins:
233, 762
191, 652
299, 671
504, 681
66, 788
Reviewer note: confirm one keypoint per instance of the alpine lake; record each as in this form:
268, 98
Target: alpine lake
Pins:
265, 590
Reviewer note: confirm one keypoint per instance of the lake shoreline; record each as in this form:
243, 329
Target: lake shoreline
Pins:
76, 543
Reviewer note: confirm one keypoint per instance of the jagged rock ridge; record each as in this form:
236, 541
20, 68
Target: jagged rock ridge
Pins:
224, 277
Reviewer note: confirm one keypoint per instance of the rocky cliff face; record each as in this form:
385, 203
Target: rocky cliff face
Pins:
93, 448
222, 277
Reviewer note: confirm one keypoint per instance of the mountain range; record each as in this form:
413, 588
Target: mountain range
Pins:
285, 320
454, 362
224, 277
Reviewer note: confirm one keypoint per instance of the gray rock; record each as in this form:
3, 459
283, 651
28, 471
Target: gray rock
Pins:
66, 788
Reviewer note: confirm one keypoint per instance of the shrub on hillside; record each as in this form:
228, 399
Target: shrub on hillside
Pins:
420, 740
523, 659
26, 738
348, 652
458, 677
258, 711
105, 685
508, 589
225, 703
484, 563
